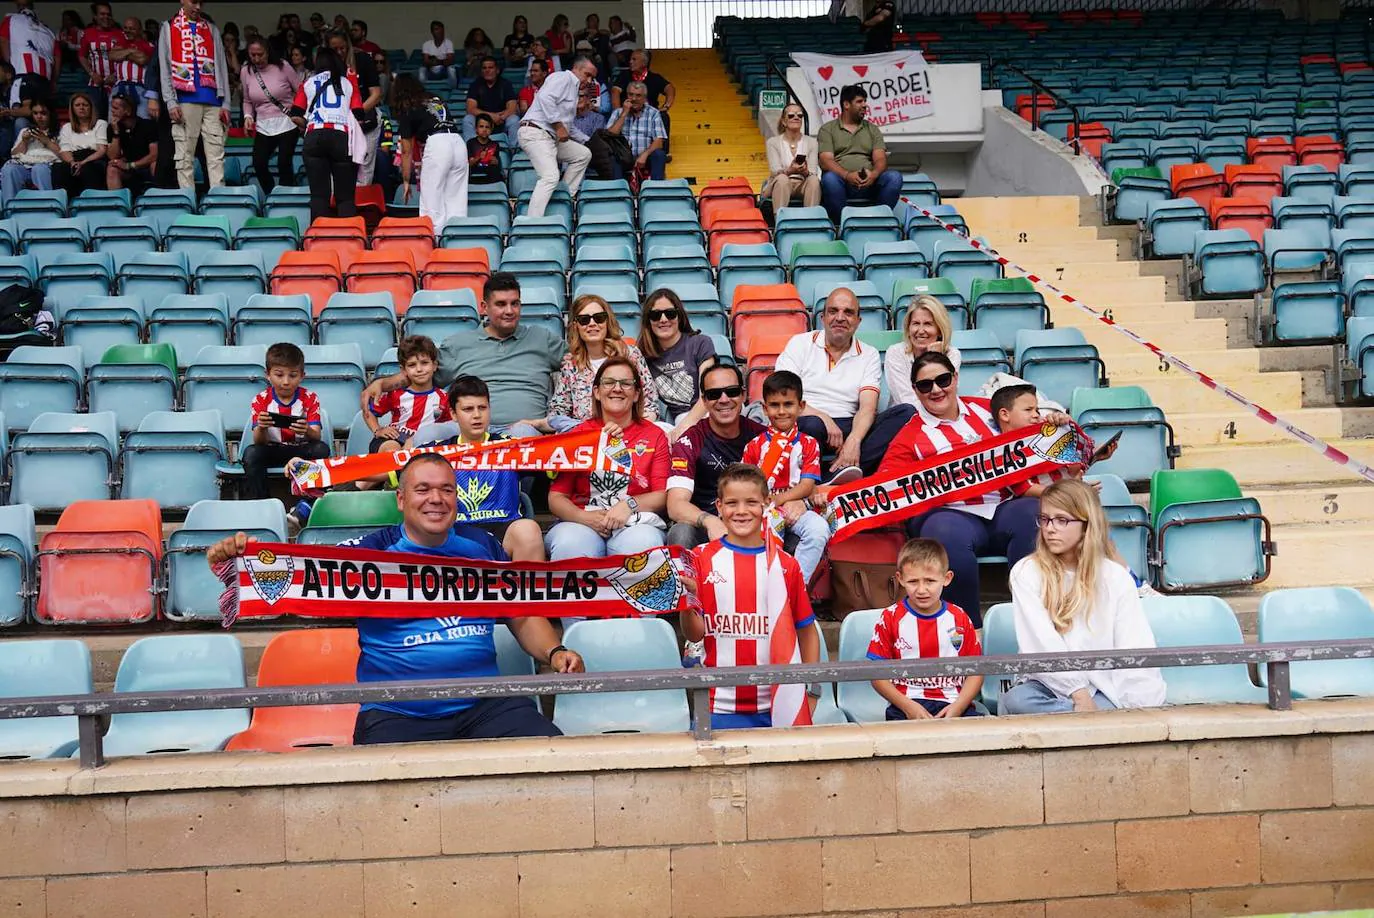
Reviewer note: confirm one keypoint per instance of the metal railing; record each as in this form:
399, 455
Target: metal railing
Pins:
90, 709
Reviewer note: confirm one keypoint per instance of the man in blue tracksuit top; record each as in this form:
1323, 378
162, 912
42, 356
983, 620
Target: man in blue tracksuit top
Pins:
393, 649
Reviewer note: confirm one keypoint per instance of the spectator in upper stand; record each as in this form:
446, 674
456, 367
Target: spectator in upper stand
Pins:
438, 55
545, 138
854, 158
484, 155
32, 156
594, 42
476, 48
28, 44
133, 147
878, 26
539, 72
642, 127
661, 93
131, 56
269, 85
516, 47
560, 40
794, 171
195, 88
96, 43
491, 95
539, 51
358, 31
927, 328
622, 40
84, 141
841, 377
703, 451
330, 102
516, 360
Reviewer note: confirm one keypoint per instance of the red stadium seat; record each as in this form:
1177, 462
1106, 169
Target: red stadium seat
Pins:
765, 309
391, 270
337, 234
1273, 153
1198, 181
315, 274
1250, 214
99, 564
1324, 151
415, 234
1254, 181
318, 656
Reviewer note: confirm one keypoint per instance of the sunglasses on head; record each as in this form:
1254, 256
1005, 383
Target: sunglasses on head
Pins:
658, 315
943, 381
588, 318
713, 395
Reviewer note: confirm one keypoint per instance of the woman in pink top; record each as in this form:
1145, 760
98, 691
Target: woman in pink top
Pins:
269, 85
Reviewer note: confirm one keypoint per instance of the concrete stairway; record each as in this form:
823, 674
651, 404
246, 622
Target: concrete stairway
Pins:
1322, 514
714, 134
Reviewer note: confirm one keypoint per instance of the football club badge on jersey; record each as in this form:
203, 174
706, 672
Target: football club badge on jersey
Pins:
271, 576
648, 582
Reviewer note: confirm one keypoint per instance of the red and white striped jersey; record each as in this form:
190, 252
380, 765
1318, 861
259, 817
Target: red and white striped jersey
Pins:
305, 404
925, 436
31, 43
127, 71
902, 633
95, 47
744, 593
408, 410
785, 458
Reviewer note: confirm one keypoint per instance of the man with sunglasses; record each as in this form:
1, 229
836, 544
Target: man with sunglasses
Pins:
704, 450
841, 377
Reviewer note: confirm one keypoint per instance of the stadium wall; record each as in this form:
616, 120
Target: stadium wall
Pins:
1203, 811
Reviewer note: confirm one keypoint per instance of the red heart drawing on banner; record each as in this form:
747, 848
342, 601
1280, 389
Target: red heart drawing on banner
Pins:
900, 65
861, 69
825, 72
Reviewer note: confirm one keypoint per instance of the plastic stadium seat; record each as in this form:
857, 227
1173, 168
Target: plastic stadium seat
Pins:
1225, 263
341, 235
341, 515
999, 639
1316, 614
171, 662
64, 457
858, 700
266, 319
1307, 312
613, 645
99, 565
317, 656
133, 380
193, 590
33, 669
1182, 621
773, 309
1206, 533
315, 274
172, 457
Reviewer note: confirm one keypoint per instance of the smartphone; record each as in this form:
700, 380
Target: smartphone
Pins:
1106, 449
282, 420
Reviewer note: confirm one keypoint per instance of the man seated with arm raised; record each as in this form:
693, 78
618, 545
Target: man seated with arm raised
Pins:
393, 649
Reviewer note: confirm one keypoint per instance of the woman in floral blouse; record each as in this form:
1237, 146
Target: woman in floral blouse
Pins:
593, 336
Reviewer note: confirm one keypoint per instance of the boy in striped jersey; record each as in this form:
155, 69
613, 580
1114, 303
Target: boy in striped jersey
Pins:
924, 626
751, 608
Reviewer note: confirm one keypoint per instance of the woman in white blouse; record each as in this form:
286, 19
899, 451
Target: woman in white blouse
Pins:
793, 167
83, 141
927, 328
1069, 595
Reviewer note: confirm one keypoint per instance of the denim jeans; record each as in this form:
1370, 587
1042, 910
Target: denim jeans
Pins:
1035, 697
835, 192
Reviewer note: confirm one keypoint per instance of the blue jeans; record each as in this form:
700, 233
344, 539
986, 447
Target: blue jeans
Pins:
835, 192
812, 534
1011, 532
15, 175
658, 161
574, 540
512, 125
1035, 697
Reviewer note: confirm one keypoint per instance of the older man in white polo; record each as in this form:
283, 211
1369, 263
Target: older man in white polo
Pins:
841, 376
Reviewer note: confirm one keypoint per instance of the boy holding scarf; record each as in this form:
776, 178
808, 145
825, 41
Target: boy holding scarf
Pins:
195, 89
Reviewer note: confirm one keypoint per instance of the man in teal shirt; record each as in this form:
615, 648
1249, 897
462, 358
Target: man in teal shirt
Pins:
517, 362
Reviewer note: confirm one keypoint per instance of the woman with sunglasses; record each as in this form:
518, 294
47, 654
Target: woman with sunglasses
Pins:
675, 353
927, 328
995, 523
614, 513
594, 336
793, 167
1073, 594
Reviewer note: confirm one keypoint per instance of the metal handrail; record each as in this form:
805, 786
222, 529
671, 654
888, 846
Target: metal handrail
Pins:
698, 680
1039, 88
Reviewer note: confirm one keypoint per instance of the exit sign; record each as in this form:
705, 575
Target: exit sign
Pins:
772, 98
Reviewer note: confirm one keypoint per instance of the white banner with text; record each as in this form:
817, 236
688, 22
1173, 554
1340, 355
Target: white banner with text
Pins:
897, 84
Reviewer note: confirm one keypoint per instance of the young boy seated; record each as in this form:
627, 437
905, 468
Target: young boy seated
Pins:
791, 462
923, 626
484, 154
284, 419
745, 589
1017, 406
407, 410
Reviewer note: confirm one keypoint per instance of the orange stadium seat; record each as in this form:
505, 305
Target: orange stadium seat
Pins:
315, 274
317, 656
1271, 152
1198, 181
391, 270
452, 269
765, 309
100, 563
1250, 214
337, 234
413, 233
1254, 181
1323, 151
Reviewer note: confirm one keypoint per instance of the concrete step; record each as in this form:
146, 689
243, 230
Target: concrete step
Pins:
1279, 463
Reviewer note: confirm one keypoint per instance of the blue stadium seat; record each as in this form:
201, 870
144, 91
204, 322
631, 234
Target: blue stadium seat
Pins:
1182, 621
64, 457
33, 669
171, 662
613, 645
17, 541
1316, 614
860, 703
172, 456
193, 590
35, 380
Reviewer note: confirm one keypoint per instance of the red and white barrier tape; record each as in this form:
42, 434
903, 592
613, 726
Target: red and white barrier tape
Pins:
1268, 417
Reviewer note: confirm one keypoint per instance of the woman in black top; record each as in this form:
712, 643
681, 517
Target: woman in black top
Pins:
425, 122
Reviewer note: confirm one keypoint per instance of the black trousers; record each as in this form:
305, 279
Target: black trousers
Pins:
329, 170
283, 146
259, 457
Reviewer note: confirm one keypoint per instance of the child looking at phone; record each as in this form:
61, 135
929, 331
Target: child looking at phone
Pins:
284, 420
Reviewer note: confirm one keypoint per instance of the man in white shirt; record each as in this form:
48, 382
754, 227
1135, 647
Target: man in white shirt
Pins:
438, 55
840, 380
544, 133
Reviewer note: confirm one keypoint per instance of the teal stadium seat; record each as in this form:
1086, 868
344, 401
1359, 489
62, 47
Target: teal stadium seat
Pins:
616, 645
